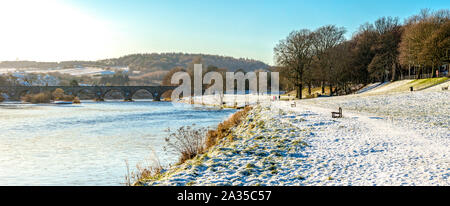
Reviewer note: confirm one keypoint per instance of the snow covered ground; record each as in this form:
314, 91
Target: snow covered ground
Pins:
81, 71
396, 139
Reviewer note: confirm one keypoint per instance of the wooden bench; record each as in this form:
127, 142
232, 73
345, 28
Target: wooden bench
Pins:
337, 114
294, 104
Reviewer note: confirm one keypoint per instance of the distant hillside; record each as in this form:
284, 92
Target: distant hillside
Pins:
148, 62
167, 61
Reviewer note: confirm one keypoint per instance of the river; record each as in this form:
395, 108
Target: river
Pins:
88, 144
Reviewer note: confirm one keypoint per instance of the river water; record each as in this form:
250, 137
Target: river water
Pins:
88, 144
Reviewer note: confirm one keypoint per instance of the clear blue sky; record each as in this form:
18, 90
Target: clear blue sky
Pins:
238, 28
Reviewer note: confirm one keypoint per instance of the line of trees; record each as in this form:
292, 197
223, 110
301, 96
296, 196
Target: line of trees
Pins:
380, 51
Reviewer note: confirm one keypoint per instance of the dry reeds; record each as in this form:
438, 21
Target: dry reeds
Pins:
144, 171
224, 129
188, 141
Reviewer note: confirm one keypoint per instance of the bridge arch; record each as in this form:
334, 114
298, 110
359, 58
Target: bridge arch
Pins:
142, 93
113, 93
4, 93
98, 92
166, 95
86, 94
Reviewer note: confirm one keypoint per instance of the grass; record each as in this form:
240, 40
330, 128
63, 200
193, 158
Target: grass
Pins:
224, 129
418, 84
143, 171
315, 91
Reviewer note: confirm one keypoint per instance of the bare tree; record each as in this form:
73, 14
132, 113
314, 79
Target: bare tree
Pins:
295, 55
385, 61
326, 38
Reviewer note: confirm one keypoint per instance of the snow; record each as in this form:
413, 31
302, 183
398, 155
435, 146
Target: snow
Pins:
390, 86
77, 71
371, 87
230, 99
396, 139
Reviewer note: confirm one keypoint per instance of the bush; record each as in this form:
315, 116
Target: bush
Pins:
44, 97
76, 100
1, 98
41, 98
69, 98
188, 141
26, 98
58, 94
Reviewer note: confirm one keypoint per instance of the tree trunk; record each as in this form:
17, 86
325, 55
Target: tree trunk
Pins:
300, 86
323, 87
331, 89
309, 88
299, 90
394, 70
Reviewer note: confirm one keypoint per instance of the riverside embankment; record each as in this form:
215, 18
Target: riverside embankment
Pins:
395, 139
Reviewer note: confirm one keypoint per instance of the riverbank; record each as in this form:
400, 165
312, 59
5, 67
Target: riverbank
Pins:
397, 139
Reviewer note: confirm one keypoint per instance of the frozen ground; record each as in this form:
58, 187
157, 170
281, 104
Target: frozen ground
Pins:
89, 71
396, 139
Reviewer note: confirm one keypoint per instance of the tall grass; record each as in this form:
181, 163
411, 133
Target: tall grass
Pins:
149, 169
224, 129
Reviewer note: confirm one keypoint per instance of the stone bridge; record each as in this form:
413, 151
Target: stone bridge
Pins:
15, 92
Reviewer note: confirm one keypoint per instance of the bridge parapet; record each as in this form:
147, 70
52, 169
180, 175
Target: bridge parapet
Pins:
15, 92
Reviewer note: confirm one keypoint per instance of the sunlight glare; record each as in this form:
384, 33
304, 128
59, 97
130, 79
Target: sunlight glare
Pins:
51, 30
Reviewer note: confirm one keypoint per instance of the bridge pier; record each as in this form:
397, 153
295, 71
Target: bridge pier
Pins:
156, 97
128, 96
99, 97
